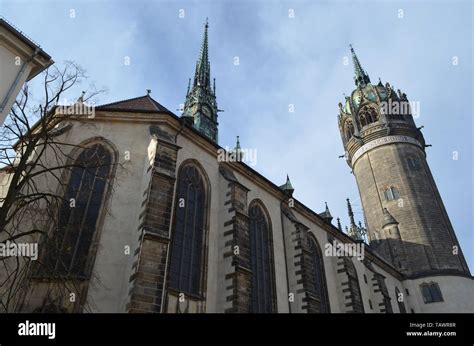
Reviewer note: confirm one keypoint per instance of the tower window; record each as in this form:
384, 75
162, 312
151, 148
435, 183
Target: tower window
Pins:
370, 305
392, 194
367, 115
413, 163
431, 292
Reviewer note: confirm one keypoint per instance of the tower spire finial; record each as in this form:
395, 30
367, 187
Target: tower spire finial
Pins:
361, 78
203, 73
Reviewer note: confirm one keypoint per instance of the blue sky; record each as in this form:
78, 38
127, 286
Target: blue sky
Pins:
284, 61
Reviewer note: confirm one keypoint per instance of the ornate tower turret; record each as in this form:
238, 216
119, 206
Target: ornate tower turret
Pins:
405, 216
200, 107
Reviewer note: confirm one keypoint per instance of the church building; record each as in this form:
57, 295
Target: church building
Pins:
177, 229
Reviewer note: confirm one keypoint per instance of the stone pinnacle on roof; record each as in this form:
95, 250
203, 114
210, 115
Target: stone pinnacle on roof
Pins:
350, 212
287, 187
326, 214
239, 155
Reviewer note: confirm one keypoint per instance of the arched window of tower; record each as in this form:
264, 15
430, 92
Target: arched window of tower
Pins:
368, 115
413, 163
431, 292
392, 193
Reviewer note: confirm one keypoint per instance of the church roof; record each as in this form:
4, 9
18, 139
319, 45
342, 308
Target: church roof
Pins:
144, 104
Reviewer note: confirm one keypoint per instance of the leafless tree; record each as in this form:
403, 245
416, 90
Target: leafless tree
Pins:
35, 163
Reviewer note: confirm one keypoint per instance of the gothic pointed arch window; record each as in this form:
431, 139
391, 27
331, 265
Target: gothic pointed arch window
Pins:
70, 253
261, 260
367, 115
348, 129
362, 119
186, 273
400, 300
318, 299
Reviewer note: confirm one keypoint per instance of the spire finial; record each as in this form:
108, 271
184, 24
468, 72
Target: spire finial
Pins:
361, 78
81, 98
328, 213
237, 145
148, 91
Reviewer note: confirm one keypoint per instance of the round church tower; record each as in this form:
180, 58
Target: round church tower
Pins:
406, 220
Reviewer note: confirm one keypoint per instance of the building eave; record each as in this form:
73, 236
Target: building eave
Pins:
17, 41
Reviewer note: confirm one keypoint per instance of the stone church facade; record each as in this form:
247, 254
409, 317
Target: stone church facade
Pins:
206, 235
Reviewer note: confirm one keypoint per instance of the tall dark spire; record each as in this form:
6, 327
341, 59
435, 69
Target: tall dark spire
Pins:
202, 76
200, 107
361, 78
351, 213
